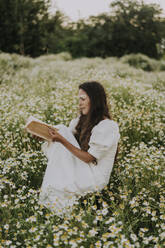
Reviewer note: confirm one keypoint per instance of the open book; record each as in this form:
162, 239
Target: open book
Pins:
39, 128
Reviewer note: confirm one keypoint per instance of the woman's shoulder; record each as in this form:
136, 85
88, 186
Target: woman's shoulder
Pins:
106, 125
105, 133
105, 129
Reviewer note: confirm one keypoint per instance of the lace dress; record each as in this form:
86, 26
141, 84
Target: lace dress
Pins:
67, 177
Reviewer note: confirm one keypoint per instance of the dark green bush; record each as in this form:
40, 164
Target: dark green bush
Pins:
141, 61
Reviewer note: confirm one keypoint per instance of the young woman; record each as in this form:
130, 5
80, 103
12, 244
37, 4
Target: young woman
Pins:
81, 156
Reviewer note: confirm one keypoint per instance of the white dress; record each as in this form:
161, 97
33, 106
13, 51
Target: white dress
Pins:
67, 177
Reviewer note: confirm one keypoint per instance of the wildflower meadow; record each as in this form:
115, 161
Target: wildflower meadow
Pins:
130, 211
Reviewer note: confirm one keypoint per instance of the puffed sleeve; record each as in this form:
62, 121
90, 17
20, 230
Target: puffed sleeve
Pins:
104, 135
73, 124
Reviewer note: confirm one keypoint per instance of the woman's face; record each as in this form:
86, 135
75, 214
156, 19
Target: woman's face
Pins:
84, 102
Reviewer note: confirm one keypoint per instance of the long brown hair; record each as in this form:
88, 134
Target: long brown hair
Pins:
98, 111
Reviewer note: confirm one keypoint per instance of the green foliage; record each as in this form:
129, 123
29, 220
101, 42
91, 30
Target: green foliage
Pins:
22, 26
14, 61
63, 56
56, 33
130, 27
137, 27
129, 212
11, 63
141, 61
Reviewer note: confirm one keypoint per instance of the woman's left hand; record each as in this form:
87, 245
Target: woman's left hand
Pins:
55, 135
83, 155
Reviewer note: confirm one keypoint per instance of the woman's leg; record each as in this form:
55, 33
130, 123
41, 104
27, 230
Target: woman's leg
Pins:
66, 176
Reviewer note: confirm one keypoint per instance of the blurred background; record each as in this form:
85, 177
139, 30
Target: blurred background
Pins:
93, 28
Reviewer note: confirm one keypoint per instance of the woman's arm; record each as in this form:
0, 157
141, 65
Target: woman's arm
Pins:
83, 155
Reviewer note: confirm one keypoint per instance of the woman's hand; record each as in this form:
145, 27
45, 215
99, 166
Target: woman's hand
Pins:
55, 135
37, 138
83, 155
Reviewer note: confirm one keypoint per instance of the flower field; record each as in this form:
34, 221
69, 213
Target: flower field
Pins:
130, 211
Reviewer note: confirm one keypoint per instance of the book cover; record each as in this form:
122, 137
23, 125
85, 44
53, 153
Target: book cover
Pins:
39, 128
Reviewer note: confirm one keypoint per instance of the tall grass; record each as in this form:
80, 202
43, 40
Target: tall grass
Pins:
130, 211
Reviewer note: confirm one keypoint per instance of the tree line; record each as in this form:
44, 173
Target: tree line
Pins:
131, 26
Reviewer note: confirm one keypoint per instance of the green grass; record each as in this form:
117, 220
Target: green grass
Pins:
130, 211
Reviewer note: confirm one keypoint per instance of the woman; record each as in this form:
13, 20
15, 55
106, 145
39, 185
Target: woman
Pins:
81, 156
